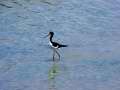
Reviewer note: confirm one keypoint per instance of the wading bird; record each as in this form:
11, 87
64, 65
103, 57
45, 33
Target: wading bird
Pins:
54, 45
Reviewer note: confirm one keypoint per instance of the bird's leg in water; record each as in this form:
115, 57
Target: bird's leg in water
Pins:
53, 54
57, 53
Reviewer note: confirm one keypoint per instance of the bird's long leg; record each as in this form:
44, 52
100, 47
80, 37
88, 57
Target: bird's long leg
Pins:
53, 54
57, 54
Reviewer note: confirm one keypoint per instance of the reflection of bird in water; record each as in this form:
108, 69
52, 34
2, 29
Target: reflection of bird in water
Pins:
55, 45
53, 71
52, 74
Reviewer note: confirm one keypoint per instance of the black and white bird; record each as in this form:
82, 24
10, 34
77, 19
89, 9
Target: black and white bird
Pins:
54, 45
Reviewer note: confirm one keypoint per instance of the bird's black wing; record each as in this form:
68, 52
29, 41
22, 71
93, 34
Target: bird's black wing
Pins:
58, 45
55, 44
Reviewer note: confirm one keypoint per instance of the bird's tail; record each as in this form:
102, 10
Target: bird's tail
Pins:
63, 45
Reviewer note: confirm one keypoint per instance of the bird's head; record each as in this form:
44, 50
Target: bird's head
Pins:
50, 34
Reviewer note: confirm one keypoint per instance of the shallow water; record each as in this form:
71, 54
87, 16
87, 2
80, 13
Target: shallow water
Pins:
90, 28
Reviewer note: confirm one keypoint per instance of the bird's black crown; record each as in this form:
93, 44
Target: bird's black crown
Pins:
51, 33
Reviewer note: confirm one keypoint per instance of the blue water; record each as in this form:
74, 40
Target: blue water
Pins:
91, 29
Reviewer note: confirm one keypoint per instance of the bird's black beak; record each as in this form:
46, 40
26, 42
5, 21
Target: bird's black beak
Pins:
47, 35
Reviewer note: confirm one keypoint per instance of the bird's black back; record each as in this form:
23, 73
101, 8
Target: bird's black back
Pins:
55, 44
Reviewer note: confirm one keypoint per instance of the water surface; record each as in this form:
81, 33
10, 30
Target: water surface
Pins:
89, 27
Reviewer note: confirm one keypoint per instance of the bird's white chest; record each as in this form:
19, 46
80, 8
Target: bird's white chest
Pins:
50, 44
